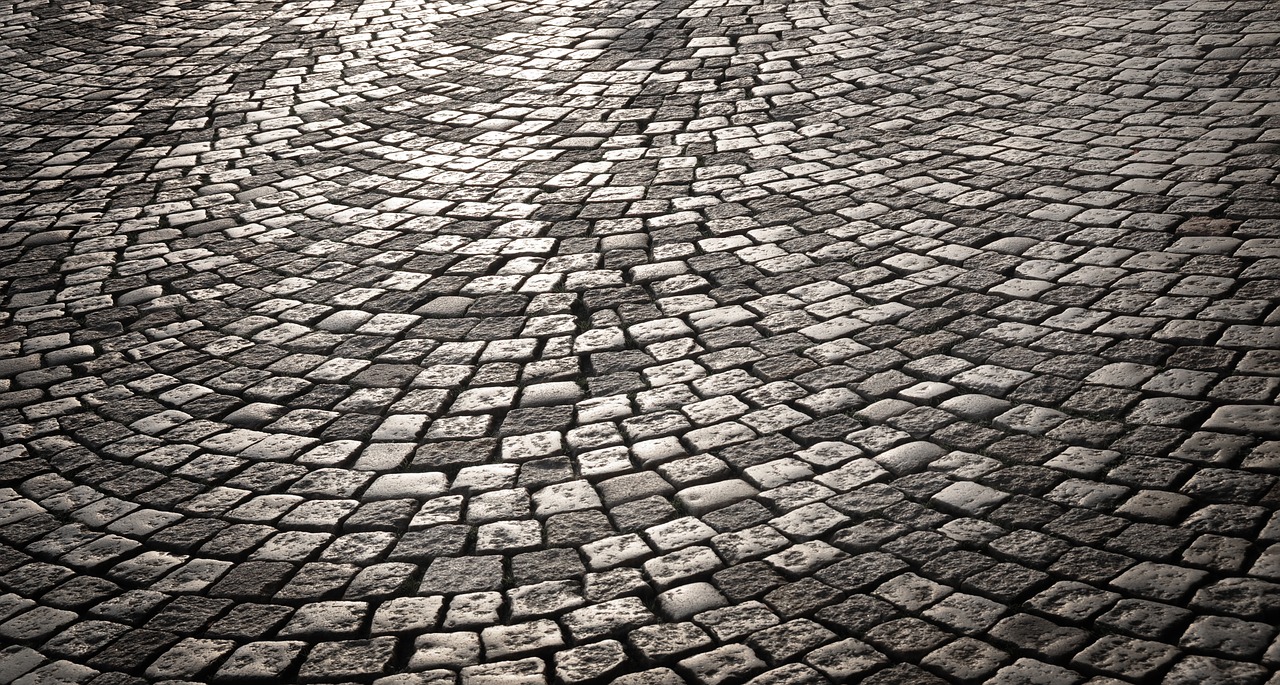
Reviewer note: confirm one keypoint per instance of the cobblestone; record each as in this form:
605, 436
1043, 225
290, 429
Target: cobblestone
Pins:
646, 342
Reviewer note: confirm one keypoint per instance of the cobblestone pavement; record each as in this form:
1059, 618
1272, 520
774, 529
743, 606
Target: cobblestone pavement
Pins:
639, 341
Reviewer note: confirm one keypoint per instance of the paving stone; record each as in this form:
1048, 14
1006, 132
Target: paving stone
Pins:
473, 609
750, 543
589, 662
414, 485
85, 638
189, 658
845, 659
1126, 657
1026, 670
655, 676
38, 623
1142, 618
791, 673
907, 636
528, 670
701, 499
723, 663
463, 574
544, 598
610, 617
614, 551
660, 642
19, 660
966, 613
736, 621
1047, 639
969, 499
338, 661
911, 592
445, 650
500, 641
326, 618
681, 565
1207, 669
1158, 581
437, 676
967, 660
407, 614
1253, 419
259, 660
909, 458
1242, 597
440, 318
684, 601
59, 672
1227, 636
622, 489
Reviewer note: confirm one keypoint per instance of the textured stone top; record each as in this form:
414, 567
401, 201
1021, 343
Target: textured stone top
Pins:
642, 342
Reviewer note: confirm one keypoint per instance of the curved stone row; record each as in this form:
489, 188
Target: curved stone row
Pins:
657, 342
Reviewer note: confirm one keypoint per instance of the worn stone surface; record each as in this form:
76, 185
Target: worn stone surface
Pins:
639, 342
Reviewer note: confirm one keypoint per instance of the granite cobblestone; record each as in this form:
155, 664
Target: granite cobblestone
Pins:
663, 341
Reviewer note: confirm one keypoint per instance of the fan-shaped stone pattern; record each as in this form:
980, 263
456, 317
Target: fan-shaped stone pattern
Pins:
425, 342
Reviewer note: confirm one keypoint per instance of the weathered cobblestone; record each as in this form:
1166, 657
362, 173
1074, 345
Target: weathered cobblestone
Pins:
646, 342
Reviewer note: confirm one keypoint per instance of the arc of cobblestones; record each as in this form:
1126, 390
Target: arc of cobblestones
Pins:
645, 342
